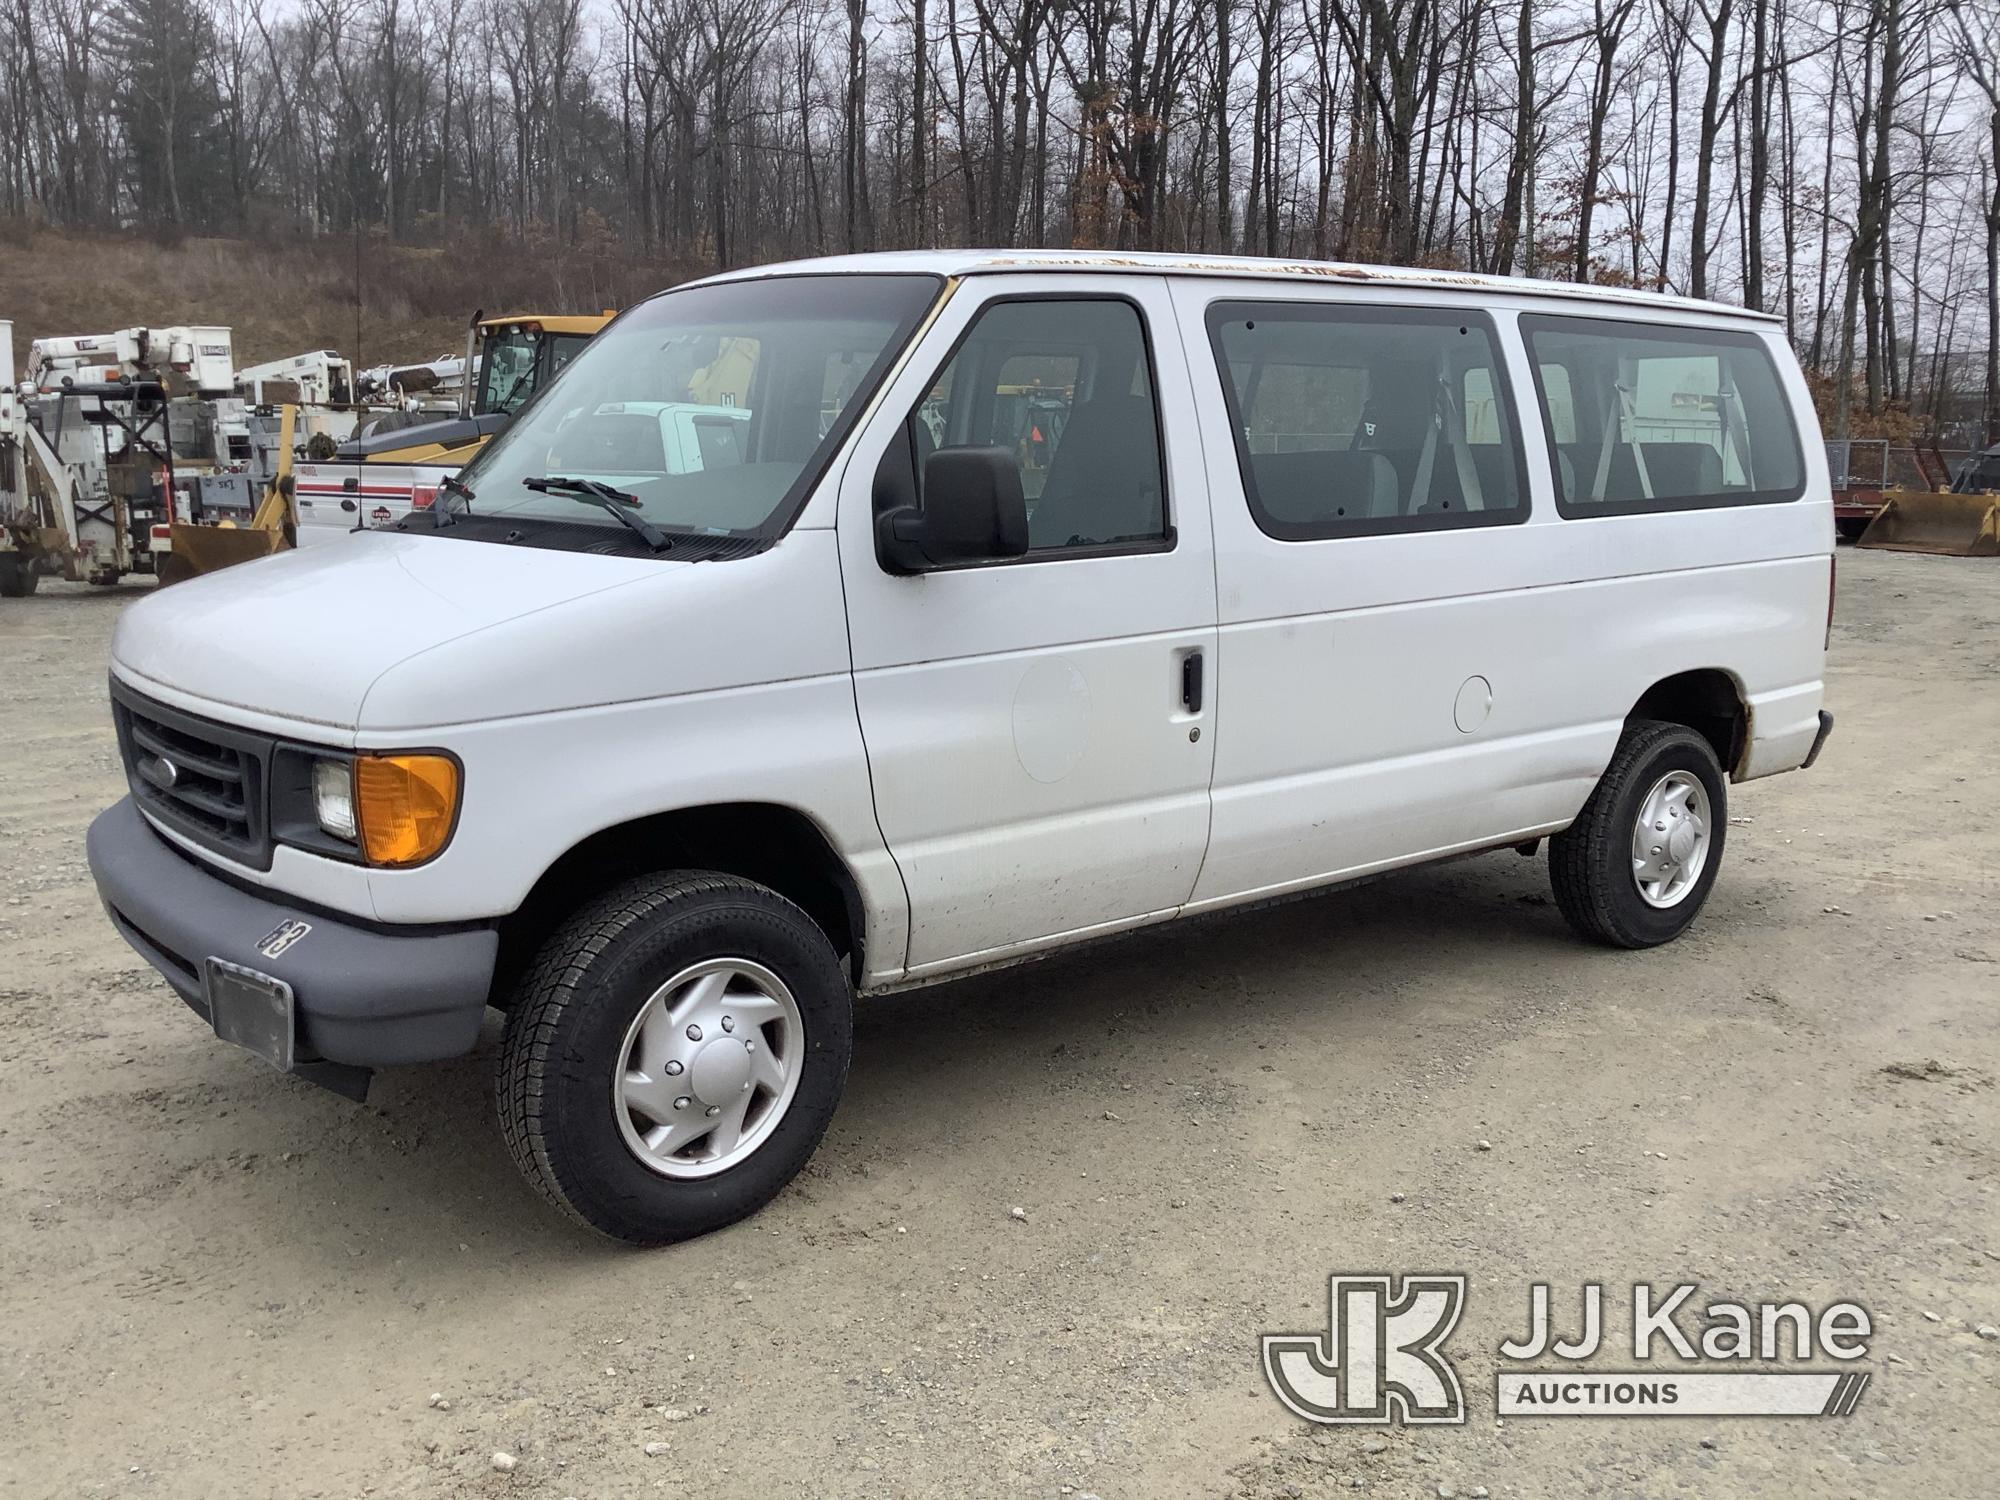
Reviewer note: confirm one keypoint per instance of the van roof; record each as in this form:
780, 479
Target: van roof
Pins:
994, 262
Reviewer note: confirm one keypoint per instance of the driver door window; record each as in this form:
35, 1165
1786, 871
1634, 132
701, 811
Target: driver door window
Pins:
1066, 389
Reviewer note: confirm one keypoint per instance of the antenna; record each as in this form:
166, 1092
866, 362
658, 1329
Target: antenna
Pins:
354, 212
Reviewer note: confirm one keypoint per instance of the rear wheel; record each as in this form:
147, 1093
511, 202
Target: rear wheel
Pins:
1637, 865
674, 1056
17, 577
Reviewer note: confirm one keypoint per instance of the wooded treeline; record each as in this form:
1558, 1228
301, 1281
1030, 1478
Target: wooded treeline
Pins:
1831, 160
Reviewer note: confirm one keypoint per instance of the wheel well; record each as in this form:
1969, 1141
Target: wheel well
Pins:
1707, 702
779, 847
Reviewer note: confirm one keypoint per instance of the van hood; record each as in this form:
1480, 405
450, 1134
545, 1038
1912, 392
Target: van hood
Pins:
304, 635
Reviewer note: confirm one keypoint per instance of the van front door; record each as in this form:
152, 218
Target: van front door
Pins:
1038, 728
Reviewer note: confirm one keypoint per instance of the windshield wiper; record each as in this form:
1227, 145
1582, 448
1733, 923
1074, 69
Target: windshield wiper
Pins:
604, 497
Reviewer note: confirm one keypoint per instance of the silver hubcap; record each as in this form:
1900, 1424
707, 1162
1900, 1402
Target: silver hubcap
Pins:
709, 1067
1670, 841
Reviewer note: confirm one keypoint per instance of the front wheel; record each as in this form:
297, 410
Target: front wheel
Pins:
1635, 867
674, 1055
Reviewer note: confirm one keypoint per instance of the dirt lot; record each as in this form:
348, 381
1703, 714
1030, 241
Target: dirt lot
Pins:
217, 1281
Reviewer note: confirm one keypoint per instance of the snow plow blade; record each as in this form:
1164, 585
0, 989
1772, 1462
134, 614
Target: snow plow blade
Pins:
1949, 525
203, 549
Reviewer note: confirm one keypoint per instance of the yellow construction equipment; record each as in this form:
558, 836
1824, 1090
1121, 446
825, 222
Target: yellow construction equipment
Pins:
1951, 525
1963, 521
516, 356
201, 548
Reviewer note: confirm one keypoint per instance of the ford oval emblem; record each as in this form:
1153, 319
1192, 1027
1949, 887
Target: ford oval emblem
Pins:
162, 772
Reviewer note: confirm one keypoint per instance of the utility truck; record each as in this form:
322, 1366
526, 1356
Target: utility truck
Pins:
114, 437
195, 359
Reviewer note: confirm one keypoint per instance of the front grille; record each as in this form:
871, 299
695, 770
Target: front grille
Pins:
206, 781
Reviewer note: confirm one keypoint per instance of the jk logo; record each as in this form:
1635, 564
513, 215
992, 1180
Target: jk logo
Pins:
281, 937
1379, 1359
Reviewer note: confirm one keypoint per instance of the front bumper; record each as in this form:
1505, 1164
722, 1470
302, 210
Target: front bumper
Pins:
364, 998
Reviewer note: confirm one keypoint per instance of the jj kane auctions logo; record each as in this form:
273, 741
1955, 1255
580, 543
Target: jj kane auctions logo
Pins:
1382, 1358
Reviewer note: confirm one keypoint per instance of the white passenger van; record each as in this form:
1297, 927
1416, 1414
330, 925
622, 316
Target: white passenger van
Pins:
1035, 597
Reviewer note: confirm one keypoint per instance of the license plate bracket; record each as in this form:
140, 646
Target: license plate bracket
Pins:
252, 1010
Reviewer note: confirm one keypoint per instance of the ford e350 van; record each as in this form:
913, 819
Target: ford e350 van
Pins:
1032, 598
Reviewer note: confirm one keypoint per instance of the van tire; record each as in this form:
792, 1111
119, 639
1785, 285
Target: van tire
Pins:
575, 1010
1590, 862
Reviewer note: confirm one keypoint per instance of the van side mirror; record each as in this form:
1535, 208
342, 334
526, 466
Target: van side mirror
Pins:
973, 511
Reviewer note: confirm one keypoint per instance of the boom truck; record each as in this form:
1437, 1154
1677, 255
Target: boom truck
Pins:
109, 440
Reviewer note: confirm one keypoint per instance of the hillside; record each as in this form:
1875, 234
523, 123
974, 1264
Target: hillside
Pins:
284, 297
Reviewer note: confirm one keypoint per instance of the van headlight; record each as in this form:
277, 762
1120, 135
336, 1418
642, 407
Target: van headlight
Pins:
333, 797
393, 809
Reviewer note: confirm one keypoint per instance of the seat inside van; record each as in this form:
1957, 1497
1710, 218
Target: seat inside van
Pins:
1672, 470
1302, 488
1103, 483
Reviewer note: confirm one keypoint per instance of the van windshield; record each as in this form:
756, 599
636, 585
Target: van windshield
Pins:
714, 408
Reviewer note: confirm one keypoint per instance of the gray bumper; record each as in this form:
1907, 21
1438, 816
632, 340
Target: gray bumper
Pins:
365, 998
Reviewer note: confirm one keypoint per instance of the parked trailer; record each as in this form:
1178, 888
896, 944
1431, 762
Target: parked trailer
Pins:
1859, 469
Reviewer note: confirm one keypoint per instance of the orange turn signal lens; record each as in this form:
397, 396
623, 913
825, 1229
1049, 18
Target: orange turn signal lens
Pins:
405, 806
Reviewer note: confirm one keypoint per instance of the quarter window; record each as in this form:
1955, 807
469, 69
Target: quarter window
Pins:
1065, 387
1354, 421
1645, 417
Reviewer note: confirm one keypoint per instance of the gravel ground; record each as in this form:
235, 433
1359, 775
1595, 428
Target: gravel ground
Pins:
217, 1281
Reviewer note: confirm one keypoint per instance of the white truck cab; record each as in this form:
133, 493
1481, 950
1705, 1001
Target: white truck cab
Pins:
1023, 598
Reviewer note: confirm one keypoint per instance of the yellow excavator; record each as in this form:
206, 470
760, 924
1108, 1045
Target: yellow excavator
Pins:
515, 356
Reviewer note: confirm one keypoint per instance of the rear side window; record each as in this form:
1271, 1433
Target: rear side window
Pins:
1356, 421
1645, 417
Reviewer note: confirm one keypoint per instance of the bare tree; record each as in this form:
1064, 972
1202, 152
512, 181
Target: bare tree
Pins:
1607, 30
1818, 157
1978, 33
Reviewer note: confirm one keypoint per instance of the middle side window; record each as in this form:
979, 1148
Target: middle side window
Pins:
1356, 421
